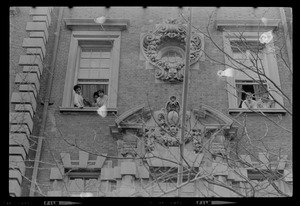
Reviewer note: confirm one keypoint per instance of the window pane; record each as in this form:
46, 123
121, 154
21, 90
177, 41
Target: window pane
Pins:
95, 63
105, 55
85, 63
96, 55
85, 54
105, 63
76, 185
91, 185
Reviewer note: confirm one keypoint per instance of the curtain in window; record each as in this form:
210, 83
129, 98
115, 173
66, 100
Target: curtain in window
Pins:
89, 89
239, 94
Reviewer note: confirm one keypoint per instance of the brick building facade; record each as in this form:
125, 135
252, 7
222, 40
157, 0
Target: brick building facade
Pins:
129, 79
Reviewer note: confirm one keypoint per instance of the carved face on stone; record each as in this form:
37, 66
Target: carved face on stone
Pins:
172, 73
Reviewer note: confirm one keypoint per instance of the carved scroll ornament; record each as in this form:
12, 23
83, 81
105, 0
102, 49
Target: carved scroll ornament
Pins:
170, 34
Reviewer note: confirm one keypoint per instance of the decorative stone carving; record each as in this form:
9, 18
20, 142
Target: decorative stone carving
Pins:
163, 127
169, 39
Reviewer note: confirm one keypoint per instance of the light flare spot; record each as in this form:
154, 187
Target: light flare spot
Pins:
102, 111
226, 73
266, 37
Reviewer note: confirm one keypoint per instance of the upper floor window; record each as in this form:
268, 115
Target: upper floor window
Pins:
256, 83
93, 64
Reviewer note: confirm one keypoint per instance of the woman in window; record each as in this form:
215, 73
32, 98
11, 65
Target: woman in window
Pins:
102, 99
78, 99
249, 102
96, 102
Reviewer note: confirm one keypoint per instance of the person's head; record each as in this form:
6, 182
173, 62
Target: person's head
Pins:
77, 89
101, 93
248, 96
96, 95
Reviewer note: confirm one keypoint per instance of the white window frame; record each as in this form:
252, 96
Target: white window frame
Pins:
72, 68
269, 61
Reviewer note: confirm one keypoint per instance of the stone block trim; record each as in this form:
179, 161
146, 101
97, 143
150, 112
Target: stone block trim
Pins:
20, 129
100, 161
21, 118
16, 162
28, 88
107, 174
35, 51
142, 172
117, 173
83, 159
56, 173
38, 34
32, 69
34, 43
31, 60
15, 150
24, 98
19, 139
66, 159
37, 26
41, 11
128, 168
14, 188
15, 175
28, 78
41, 19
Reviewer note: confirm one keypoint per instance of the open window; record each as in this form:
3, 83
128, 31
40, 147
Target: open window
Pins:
93, 64
255, 73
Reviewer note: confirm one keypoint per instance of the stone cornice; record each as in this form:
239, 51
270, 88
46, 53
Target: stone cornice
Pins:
230, 24
89, 24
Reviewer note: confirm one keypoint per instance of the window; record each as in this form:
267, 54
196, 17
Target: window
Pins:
93, 63
259, 91
256, 73
80, 182
94, 69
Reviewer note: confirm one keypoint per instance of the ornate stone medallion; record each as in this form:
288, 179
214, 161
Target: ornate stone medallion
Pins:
164, 48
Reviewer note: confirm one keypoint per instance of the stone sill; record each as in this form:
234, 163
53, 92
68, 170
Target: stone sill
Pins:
273, 110
86, 110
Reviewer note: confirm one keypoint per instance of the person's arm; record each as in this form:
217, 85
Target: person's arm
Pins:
244, 105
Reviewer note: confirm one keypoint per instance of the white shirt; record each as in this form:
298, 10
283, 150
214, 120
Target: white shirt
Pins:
102, 101
78, 100
251, 105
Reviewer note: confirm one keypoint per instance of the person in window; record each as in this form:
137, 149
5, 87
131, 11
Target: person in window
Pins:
78, 99
102, 98
249, 102
96, 102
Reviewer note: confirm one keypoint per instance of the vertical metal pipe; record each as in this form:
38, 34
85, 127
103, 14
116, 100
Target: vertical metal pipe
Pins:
184, 102
287, 37
46, 104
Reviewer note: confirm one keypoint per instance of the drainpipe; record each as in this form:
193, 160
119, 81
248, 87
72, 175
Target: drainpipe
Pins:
46, 104
286, 34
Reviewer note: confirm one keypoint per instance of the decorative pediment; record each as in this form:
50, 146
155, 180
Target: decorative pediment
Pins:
163, 126
164, 48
